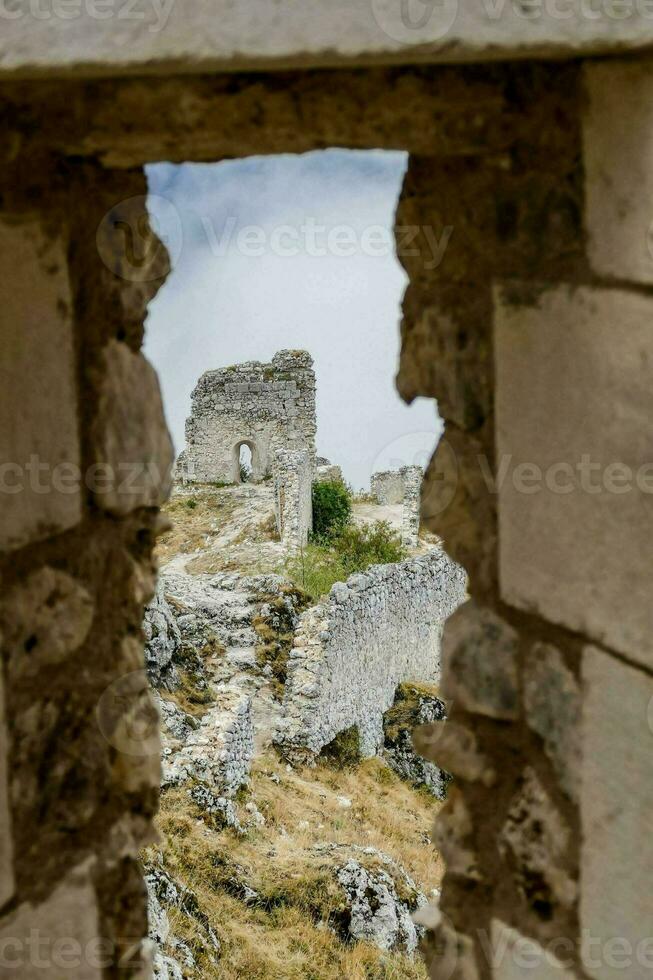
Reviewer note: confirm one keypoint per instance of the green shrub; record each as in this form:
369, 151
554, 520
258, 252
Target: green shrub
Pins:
315, 569
331, 508
360, 546
352, 549
191, 503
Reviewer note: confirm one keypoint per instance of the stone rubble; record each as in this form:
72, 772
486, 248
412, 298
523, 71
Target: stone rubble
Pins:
219, 752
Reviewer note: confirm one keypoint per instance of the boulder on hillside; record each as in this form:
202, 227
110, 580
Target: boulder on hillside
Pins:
414, 705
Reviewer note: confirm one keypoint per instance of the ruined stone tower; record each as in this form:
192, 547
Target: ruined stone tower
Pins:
267, 407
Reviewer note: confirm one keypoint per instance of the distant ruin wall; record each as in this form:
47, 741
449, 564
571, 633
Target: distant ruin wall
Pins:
401, 487
411, 477
266, 407
378, 629
328, 473
388, 487
293, 481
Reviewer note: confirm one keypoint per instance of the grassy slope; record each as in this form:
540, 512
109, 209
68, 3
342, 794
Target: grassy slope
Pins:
284, 934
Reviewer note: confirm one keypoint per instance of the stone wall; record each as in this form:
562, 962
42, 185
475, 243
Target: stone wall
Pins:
412, 477
86, 451
539, 354
264, 406
350, 652
293, 482
388, 487
327, 472
401, 487
537, 308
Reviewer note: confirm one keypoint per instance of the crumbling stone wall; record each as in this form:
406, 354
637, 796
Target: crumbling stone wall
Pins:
387, 486
350, 652
327, 472
267, 407
293, 481
86, 451
538, 351
410, 518
537, 308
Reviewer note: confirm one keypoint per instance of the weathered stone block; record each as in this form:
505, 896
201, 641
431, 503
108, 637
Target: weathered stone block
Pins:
39, 445
535, 841
513, 956
134, 453
479, 662
616, 818
574, 476
6, 842
618, 158
48, 616
454, 748
222, 37
60, 937
552, 702
128, 718
449, 955
452, 836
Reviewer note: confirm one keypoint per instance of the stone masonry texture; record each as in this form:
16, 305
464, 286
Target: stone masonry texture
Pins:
376, 630
293, 481
541, 172
266, 407
402, 486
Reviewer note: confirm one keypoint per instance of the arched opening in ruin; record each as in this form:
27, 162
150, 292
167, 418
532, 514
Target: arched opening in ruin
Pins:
244, 461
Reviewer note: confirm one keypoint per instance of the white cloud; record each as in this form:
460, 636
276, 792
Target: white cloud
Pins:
226, 303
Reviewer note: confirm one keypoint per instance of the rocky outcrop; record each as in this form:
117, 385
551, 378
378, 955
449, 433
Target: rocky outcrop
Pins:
162, 640
378, 629
377, 915
380, 897
219, 751
172, 956
414, 705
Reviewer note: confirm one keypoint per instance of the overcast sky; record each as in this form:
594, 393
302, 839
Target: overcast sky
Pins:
290, 251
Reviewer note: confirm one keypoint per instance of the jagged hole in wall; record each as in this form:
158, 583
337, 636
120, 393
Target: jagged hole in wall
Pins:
290, 670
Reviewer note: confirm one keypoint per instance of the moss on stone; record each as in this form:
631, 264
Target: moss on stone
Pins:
343, 751
276, 631
404, 715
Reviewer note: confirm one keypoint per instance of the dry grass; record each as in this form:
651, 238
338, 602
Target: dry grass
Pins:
285, 934
248, 561
192, 526
205, 525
